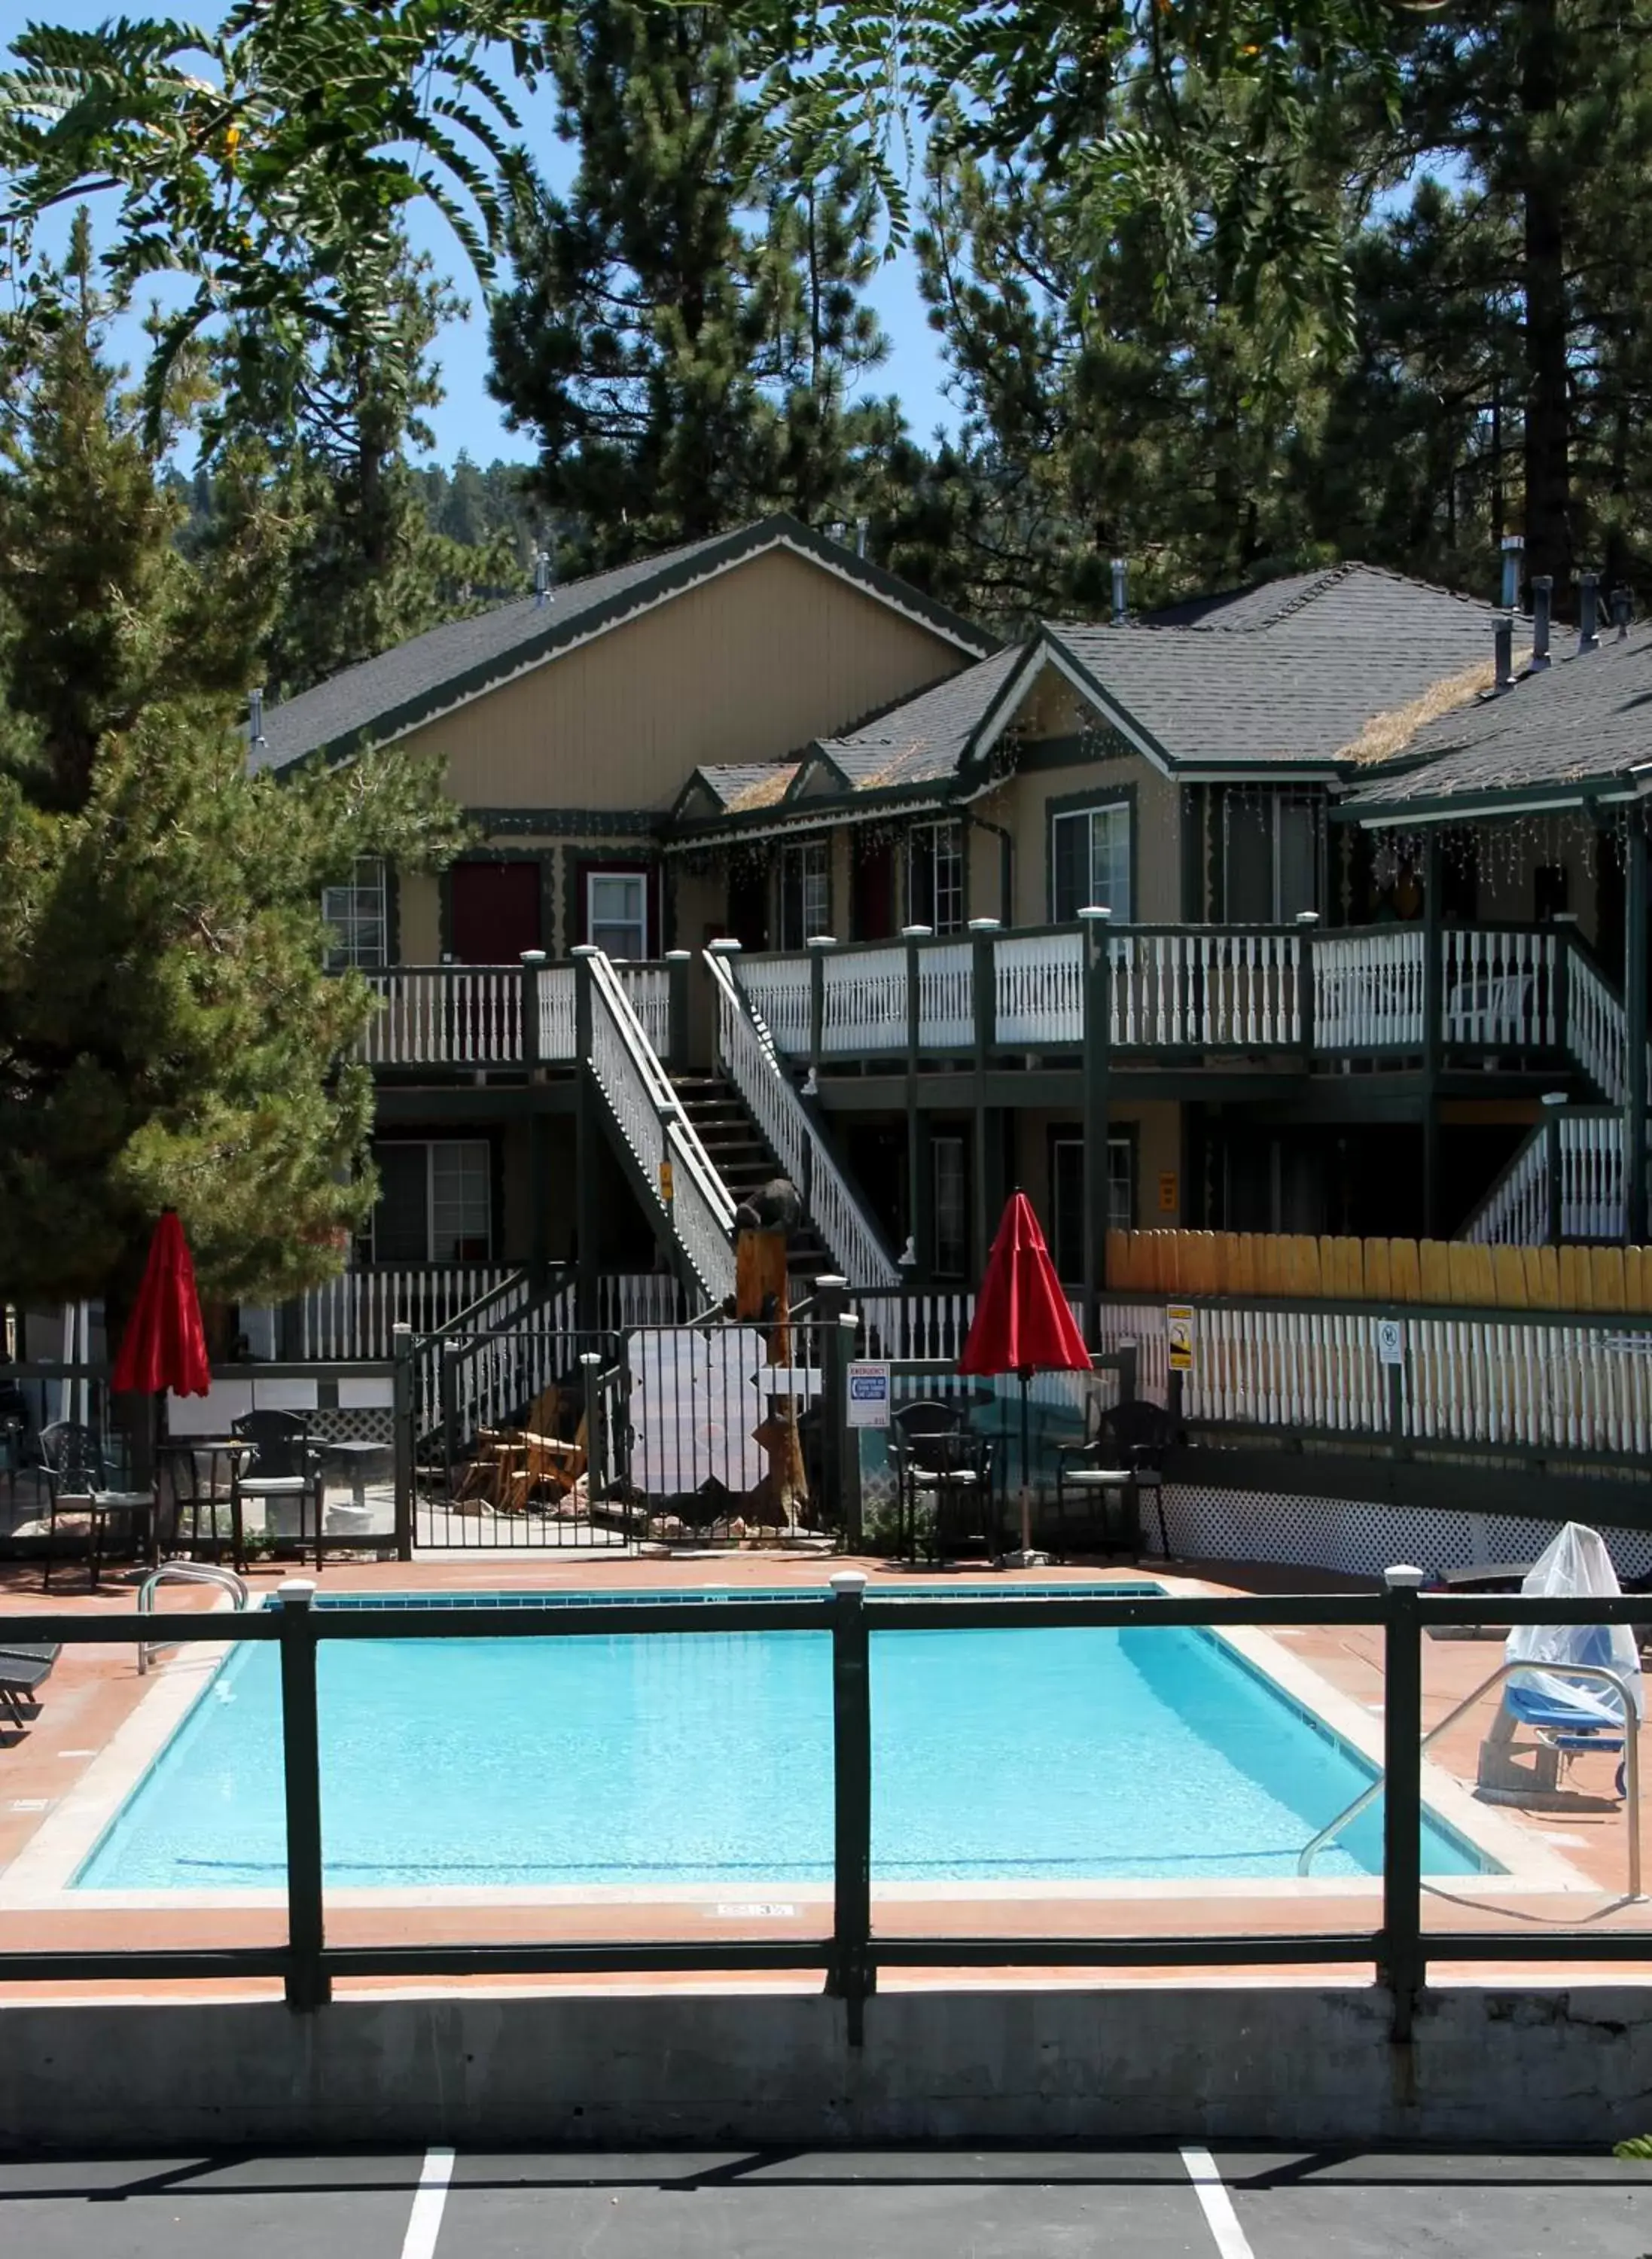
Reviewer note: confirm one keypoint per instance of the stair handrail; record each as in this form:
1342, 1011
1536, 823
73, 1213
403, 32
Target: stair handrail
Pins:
747, 1050
183, 1572
649, 1118
1522, 1180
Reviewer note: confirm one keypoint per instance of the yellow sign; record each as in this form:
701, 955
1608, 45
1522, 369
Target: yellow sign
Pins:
1179, 1328
665, 1187
1167, 1202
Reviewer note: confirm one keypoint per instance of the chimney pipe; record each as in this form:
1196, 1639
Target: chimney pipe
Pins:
1120, 591
541, 578
1588, 586
1513, 551
1542, 593
1621, 606
1503, 633
255, 716
860, 537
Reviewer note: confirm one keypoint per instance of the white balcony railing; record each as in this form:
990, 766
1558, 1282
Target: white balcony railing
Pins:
471, 1016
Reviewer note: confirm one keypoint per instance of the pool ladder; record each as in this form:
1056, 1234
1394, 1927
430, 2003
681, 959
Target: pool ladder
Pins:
183, 1572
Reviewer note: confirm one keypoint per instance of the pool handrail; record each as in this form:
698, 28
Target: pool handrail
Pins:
1368, 1796
183, 1572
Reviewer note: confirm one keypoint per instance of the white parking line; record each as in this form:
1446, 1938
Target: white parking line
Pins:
1216, 2204
423, 2228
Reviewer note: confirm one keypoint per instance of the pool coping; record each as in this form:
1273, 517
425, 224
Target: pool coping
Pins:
39, 1879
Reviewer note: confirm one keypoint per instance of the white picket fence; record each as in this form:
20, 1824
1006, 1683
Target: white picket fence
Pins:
1465, 1379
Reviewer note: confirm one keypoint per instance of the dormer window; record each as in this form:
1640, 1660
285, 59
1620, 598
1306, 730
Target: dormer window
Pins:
358, 916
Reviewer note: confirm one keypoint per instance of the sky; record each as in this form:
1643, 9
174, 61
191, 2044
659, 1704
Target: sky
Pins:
468, 418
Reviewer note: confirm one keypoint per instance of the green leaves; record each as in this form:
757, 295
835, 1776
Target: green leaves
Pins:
270, 160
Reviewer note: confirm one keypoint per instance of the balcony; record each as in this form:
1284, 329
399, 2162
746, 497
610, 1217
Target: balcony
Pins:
1326, 996
496, 1015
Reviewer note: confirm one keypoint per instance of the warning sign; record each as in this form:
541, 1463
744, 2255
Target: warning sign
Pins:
1167, 1193
868, 1395
1178, 1327
1391, 1341
667, 1184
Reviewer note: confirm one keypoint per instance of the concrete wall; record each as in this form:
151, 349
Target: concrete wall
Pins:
1547, 2065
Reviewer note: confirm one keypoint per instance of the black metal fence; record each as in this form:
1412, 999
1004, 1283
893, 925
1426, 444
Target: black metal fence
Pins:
550, 1437
851, 1952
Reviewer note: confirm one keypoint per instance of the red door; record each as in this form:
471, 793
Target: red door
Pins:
497, 911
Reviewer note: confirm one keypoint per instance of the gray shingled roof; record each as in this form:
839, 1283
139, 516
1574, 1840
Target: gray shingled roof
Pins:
1584, 720
382, 696
1296, 687
1335, 594
924, 740
740, 784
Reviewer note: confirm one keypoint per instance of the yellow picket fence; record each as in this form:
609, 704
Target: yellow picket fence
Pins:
1432, 1271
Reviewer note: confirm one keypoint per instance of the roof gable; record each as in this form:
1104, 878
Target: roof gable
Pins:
384, 698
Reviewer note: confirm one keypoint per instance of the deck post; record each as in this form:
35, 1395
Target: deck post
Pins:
920, 1215
1554, 1167
403, 1401
983, 1001
818, 945
1404, 1967
852, 1976
1634, 1017
677, 963
307, 1984
1433, 1029
1098, 1039
586, 1140
532, 966
1306, 923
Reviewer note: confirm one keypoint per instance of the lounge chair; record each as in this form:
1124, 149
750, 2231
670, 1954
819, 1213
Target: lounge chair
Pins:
23, 1671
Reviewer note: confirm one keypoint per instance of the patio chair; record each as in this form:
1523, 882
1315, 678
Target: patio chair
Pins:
77, 1476
1120, 1457
940, 1463
24, 1669
283, 1463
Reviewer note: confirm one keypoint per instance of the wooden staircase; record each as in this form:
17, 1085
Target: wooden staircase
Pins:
741, 1157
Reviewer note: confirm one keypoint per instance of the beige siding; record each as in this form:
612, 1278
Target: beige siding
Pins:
1022, 803
748, 668
420, 919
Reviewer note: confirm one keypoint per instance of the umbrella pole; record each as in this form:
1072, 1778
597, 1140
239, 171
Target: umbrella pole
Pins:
1026, 1559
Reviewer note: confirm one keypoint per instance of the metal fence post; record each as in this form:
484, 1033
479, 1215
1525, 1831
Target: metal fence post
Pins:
1404, 1967
840, 1467
595, 1425
403, 1394
307, 1984
851, 1977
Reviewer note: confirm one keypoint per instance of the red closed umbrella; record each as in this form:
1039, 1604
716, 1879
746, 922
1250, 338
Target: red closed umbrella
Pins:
1022, 1324
164, 1345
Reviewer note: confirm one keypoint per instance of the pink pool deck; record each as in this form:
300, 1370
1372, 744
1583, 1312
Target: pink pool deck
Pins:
1570, 1865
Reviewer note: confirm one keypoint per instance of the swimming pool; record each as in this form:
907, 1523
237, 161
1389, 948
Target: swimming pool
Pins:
1006, 1755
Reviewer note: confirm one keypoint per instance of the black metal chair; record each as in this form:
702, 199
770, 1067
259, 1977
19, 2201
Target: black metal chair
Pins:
940, 1463
76, 1474
283, 1463
1120, 1458
202, 1482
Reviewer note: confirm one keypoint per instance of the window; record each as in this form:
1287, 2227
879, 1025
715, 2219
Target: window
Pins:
1271, 856
951, 1206
435, 1202
1090, 862
805, 893
1066, 1170
934, 876
357, 914
616, 912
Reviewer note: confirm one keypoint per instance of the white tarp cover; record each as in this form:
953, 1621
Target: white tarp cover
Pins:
1577, 1566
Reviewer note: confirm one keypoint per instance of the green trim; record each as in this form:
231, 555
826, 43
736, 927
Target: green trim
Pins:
1073, 751
1113, 709
569, 822
706, 561
1082, 804
789, 818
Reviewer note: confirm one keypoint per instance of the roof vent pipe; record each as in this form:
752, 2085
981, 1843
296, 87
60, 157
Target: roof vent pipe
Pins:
1514, 552
1543, 593
255, 716
1120, 591
541, 578
860, 537
1621, 606
1502, 632
1588, 603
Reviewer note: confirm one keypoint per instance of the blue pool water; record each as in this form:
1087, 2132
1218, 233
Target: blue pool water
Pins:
1011, 1755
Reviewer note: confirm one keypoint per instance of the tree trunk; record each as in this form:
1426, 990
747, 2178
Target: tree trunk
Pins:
1548, 531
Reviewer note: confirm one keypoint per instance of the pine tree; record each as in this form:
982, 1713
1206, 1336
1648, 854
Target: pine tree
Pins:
688, 333
167, 1035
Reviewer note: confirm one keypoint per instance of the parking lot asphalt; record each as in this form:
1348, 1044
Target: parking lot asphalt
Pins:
932, 2204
